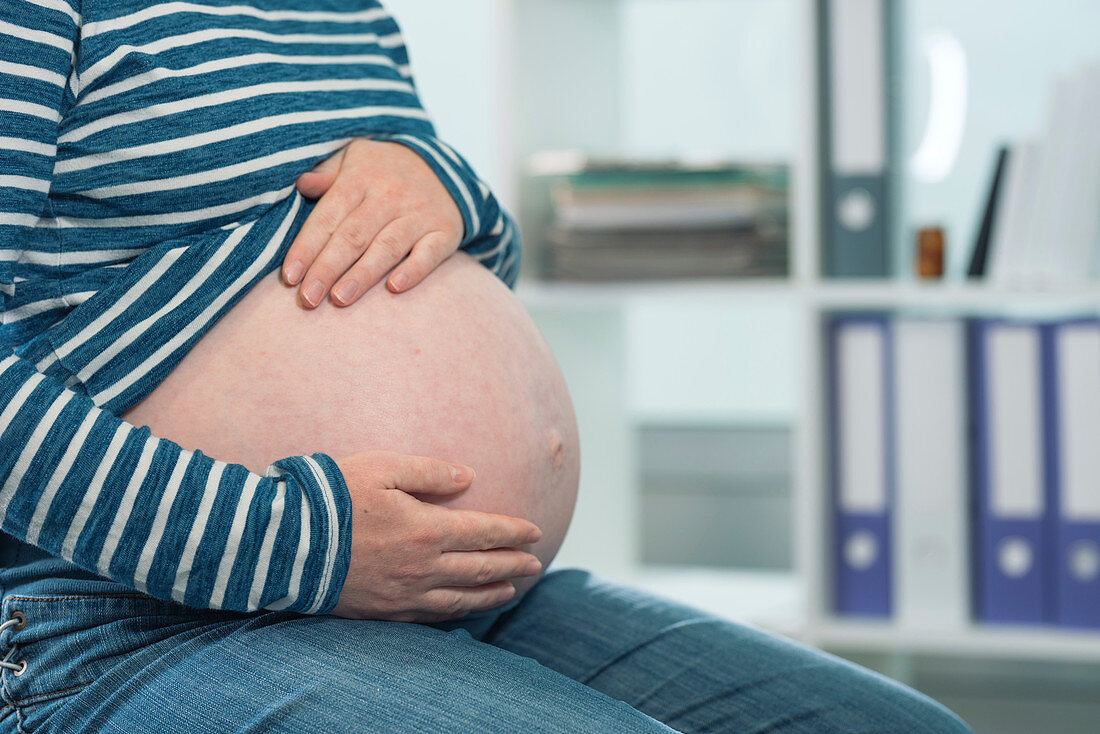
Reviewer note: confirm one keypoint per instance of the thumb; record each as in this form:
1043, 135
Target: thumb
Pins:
413, 474
313, 184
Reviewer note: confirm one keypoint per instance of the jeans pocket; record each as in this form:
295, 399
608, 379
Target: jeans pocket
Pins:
57, 645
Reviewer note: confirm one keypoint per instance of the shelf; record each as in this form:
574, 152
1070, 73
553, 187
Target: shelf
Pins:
829, 295
1016, 643
770, 599
715, 418
587, 295
952, 296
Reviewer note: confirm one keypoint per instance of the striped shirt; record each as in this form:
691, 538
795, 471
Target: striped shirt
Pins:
148, 154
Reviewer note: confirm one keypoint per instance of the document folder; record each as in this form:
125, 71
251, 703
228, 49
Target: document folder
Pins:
932, 501
1074, 469
1013, 537
861, 464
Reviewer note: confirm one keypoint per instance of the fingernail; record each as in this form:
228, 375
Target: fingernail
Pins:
533, 567
399, 282
313, 293
293, 272
461, 474
534, 535
346, 291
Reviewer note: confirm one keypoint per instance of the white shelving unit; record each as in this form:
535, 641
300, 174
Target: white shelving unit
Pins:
954, 297
568, 51
818, 298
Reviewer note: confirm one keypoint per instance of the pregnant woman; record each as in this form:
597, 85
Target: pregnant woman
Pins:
197, 329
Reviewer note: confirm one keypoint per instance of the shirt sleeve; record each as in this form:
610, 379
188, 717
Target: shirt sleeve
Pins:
88, 487
491, 234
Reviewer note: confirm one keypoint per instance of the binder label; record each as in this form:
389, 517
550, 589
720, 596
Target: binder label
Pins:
858, 85
1079, 414
862, 395
1016, 470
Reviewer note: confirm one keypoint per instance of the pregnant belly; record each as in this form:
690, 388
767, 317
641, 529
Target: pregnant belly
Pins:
454, 369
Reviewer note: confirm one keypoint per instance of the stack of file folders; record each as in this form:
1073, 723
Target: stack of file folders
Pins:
620, 220
964, 460
1040, 225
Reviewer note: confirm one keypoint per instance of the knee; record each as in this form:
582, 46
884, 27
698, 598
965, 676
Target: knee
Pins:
942, 720
810, 690
919, 714
881, 704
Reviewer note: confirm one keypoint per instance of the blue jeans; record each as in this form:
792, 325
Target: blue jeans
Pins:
574, 654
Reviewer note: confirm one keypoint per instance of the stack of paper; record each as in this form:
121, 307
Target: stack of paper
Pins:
1046, 228
642, 220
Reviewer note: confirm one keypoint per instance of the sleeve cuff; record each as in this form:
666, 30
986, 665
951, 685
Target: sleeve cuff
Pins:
491, 236
340, 521
451, 173
324, 541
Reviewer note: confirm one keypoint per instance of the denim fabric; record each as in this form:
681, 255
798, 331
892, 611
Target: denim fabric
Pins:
575, 654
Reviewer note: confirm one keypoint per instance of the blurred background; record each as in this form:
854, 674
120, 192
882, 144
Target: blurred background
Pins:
821, 275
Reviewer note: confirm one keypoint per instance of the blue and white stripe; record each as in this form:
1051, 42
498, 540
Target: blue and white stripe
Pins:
148, 154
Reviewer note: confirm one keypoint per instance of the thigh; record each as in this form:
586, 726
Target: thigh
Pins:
129, 663
698, 673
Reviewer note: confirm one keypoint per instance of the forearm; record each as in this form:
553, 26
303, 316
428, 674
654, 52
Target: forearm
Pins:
113, 499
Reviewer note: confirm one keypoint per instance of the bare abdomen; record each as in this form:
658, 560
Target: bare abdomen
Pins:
454, 369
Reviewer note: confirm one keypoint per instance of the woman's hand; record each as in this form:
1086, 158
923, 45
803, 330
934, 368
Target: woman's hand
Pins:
379, 201
412, 561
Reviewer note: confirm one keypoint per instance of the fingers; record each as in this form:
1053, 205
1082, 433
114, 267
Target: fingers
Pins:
427, 254
467, 530
477, 568
459, 601
344, 248
386, 249
319, 226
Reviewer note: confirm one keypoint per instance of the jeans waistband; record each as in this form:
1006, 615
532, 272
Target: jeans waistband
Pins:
27, 569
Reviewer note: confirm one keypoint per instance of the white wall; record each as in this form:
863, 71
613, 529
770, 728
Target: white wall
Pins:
710, 76
456, 50
711, 362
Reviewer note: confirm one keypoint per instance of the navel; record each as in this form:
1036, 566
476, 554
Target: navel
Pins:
557, 449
